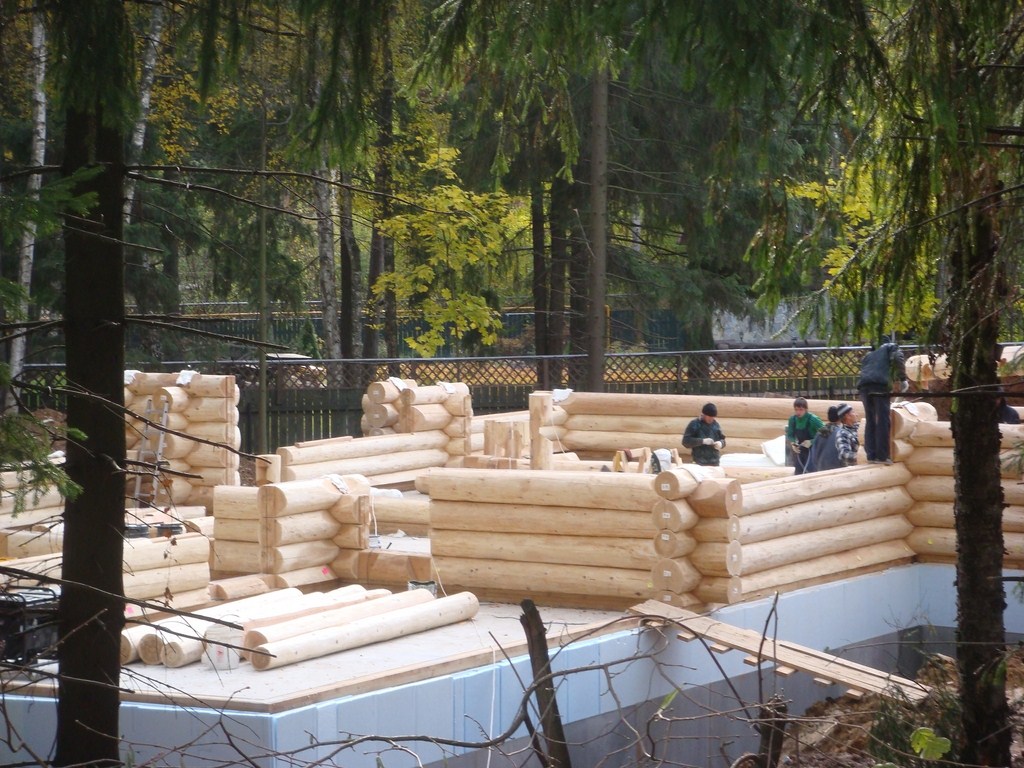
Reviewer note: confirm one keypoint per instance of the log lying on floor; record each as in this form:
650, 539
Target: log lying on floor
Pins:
260, 633
398, 623
134, 632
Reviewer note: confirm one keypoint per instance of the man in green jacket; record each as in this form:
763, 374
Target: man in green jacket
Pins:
800, 431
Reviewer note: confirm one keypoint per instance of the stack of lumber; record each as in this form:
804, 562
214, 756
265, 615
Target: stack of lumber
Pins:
926, 446
596, 424
318, 530
20, 506
400, 615
48, 537
566, 538
291, 532
408, 428
153, 567
178, 641
786, 533
201, 441
236, 531
695, 540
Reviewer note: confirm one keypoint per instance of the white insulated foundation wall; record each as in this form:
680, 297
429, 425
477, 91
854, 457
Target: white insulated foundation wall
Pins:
617, 682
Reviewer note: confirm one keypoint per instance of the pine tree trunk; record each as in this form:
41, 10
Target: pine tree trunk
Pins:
381, 309
92, 604
558, 217
540, 277
349, 263
598, 232
977, 286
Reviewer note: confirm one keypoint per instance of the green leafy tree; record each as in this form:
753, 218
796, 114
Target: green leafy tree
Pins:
450, 242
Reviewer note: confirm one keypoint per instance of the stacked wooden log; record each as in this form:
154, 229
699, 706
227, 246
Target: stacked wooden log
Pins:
199, 445
178, 641
292, 531
926, 446
385, 618
721, 542
598, 424
567, 538
20, 506
153, 567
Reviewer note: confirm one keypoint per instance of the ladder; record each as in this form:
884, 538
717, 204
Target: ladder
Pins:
151, 451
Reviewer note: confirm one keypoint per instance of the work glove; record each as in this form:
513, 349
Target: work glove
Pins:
806, 444
707, 441
904, 386
717, 444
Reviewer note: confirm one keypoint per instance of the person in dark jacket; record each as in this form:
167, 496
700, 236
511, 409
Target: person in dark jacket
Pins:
703, 436
879, 370
1006, 413
823, 454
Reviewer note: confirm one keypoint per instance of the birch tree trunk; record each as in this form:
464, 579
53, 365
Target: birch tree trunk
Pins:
324, 191
26, 252
147, 76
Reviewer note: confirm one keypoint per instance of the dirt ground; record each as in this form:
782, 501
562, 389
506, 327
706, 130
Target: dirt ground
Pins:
840, 733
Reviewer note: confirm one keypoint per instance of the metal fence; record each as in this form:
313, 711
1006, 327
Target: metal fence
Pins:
313, 399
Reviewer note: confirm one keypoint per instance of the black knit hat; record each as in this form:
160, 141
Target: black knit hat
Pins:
709, 409
833, 413
843, 409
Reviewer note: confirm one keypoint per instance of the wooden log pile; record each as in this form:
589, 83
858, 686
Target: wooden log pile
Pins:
22, 507
720, 542
925, 444
407, 428
292, 532
596, 424
199, 448
567, 538
154, 568
398, 615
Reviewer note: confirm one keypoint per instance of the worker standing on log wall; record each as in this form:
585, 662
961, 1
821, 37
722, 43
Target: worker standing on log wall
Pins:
800, 431
879, 370
846, 435
703, 436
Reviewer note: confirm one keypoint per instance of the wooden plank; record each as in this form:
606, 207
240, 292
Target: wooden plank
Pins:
823, 667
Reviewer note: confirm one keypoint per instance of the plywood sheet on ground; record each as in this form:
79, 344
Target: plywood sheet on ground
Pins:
494, 633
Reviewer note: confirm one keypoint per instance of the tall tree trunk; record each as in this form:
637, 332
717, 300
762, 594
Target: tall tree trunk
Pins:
598, 234
324, 193
92, 603
559, 215
350, 271
381, 311
977, 285
540, 280
387, 141
26, 253
147, 77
